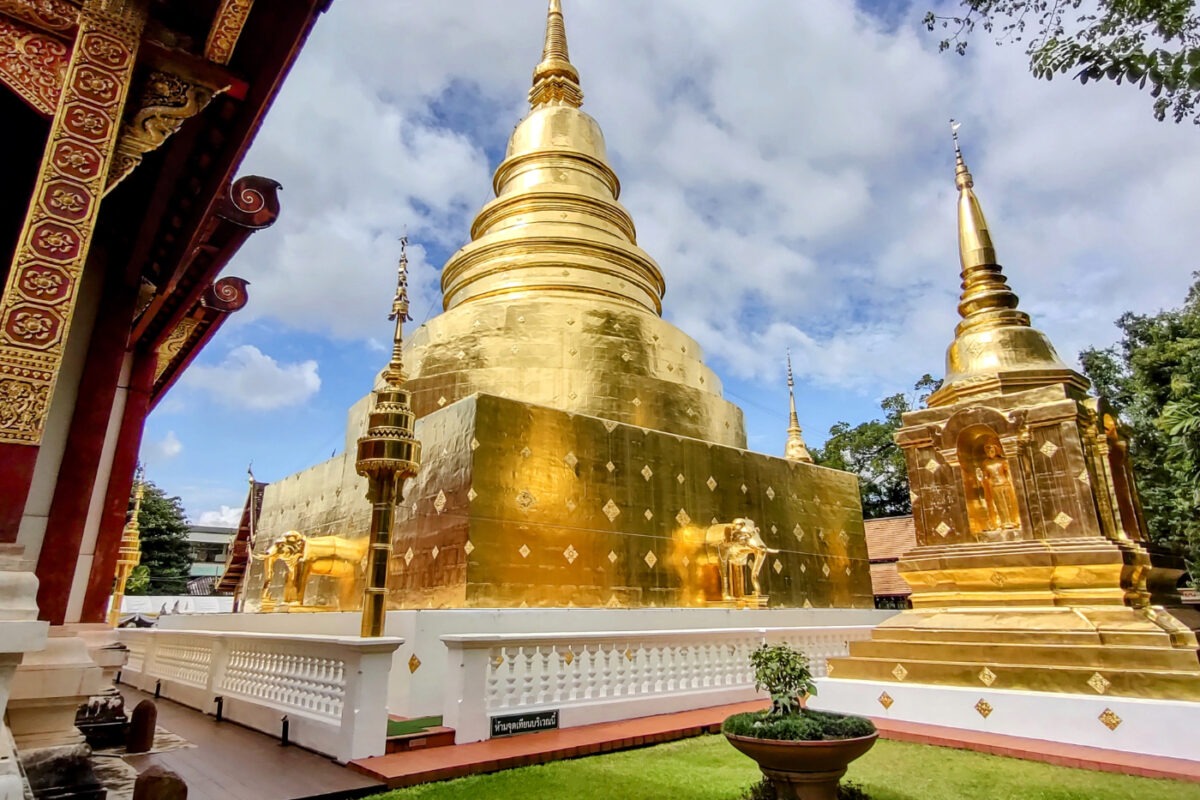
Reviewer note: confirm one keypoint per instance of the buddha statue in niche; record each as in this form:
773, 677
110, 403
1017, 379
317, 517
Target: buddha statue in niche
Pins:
988, 480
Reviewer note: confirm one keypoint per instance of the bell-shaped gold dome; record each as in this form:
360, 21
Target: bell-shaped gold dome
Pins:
552, 302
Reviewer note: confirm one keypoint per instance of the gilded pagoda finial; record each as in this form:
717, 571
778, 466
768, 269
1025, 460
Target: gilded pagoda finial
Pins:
994, 340
986, 299
555, 79
796, 449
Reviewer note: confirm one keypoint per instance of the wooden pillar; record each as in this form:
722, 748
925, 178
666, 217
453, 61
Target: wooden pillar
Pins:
42, 289
77, 484
120, 483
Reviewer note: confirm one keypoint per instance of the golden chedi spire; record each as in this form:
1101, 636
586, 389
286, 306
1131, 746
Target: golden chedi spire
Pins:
995, 348
555, 79
796, 449
555, 225
553, 302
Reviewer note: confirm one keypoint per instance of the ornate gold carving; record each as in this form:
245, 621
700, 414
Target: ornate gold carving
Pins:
166, 101
984, 708
987, 677
22, 405
684, 520
468, 548
439, 502
886, 700
226, 28
1110, 719
33, 65
899, 673
524, 551
650, 559
1099, 683
55, 16
173, 345
62, 212
414, 663
570, 554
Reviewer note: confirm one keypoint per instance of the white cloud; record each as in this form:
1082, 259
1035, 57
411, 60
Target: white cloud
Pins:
164, 449
788, 165
224, 517
248, 378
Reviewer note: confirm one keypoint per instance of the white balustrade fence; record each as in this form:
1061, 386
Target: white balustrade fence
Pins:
331, 688
600, 677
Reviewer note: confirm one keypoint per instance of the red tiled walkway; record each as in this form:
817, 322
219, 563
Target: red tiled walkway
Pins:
443, 763
493, 755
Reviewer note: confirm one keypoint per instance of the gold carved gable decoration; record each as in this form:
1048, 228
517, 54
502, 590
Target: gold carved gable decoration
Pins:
33, 65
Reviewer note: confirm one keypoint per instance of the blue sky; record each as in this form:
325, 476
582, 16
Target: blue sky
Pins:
787, 164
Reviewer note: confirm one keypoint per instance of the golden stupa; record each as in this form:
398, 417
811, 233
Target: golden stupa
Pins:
576, 449
1031, 570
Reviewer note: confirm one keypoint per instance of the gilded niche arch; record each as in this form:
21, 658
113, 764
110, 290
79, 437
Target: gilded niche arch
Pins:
989, 486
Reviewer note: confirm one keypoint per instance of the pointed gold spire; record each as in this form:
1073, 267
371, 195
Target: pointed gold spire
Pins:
796, 449
986, 298
555, 79
995, 348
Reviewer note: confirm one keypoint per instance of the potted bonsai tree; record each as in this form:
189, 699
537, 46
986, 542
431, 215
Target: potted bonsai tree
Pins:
803, 752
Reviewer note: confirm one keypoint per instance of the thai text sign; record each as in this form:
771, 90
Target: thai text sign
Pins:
524, 723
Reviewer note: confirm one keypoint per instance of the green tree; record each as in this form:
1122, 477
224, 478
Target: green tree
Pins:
1152, 44
139, 581
1152, 377
869, 450
166, 553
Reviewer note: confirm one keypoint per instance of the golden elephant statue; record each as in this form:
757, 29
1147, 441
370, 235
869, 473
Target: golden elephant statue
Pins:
737, 544
333, 556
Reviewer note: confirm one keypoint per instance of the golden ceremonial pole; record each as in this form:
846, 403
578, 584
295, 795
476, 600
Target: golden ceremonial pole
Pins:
387, 455
130, 553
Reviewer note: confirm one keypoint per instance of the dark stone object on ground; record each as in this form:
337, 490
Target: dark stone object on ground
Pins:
141, 727
159, 783
102, 720
62, 773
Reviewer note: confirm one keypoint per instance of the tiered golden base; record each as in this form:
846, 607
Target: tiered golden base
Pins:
1111, 650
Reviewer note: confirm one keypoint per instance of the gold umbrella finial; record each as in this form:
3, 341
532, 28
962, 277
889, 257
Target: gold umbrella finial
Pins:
555, 79
394, 374
387, 454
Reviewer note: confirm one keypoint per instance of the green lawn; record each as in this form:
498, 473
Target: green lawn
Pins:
707, 768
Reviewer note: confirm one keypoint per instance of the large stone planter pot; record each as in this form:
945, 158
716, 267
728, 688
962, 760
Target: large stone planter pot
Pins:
803, 770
